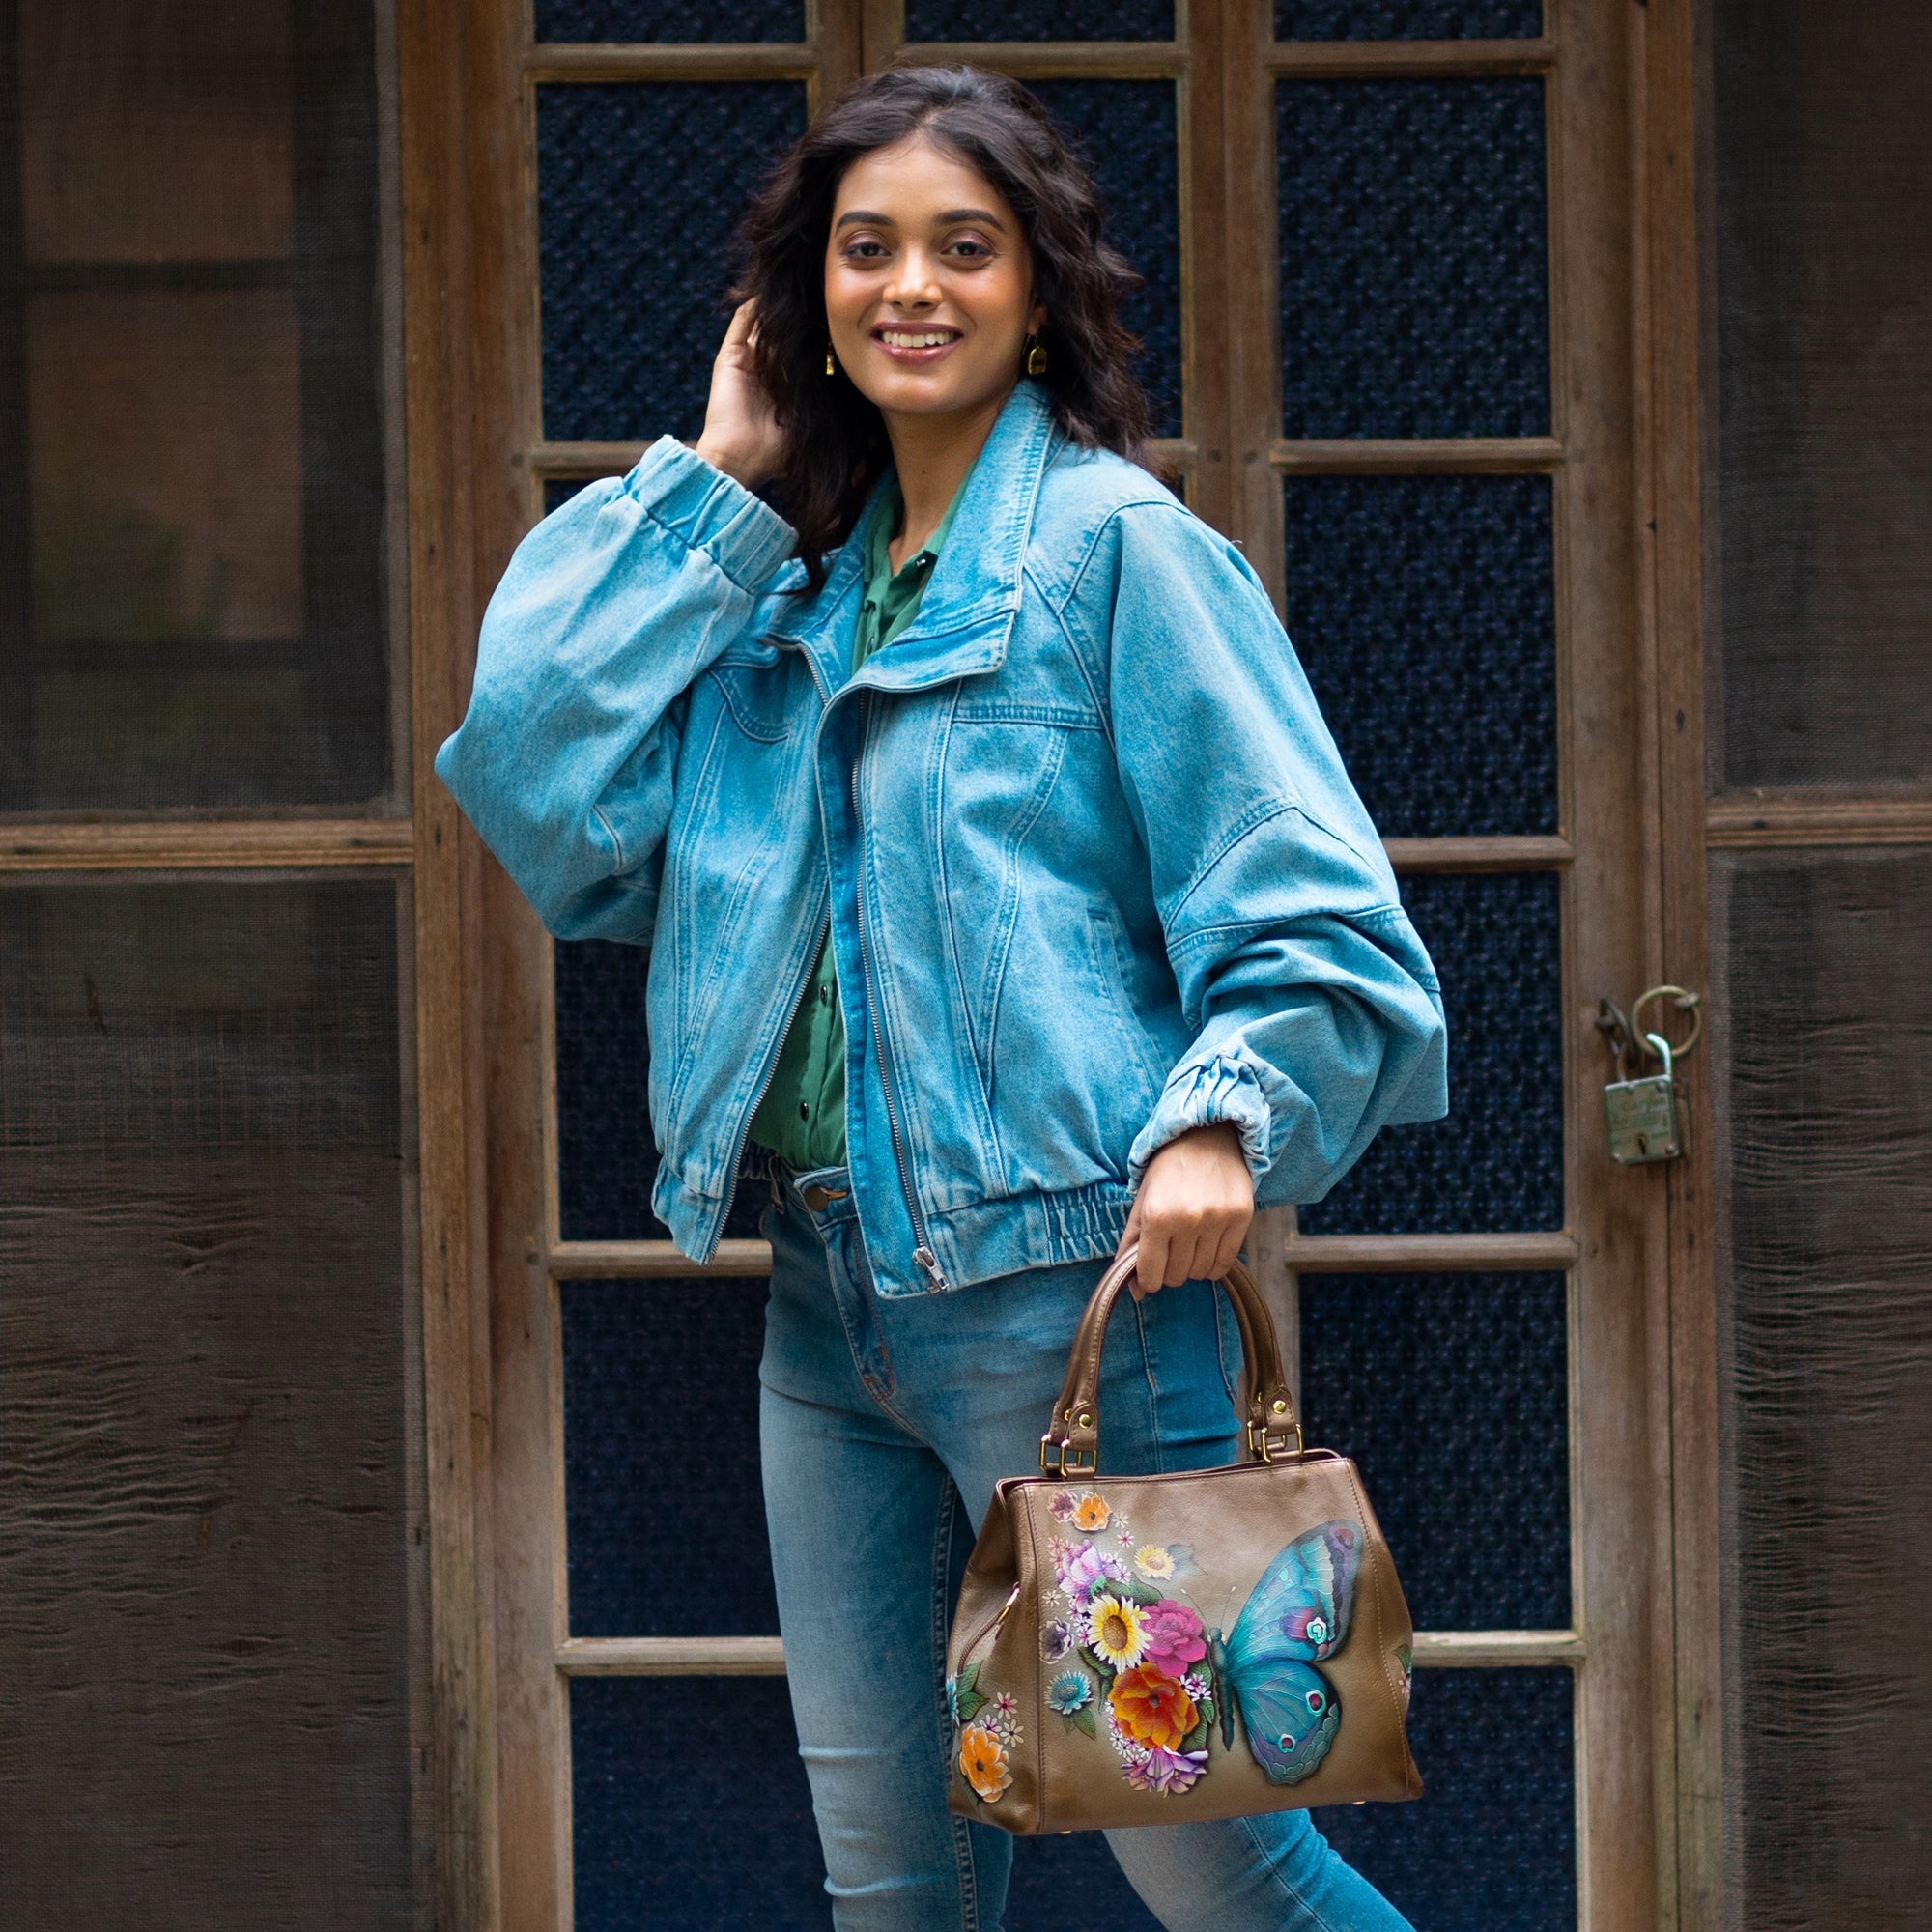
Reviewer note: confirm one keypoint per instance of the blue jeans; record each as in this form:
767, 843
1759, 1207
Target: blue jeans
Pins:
881, 1420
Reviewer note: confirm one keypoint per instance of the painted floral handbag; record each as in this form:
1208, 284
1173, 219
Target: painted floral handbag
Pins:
1147, 1650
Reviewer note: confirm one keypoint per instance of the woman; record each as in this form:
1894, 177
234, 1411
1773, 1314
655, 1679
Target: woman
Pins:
1006, 900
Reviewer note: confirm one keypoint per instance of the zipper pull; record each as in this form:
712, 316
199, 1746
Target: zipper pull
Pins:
929, 1261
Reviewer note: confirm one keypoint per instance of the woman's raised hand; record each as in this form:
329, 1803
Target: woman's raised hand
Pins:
741, 432
1192, 1213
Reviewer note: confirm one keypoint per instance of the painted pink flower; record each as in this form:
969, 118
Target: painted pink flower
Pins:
1174, 1638
1064, 1502
1168, 1772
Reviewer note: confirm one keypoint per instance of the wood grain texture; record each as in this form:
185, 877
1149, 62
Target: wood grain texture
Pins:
1689, 1619
1784, 821
436, 221
205, 843
1055, 60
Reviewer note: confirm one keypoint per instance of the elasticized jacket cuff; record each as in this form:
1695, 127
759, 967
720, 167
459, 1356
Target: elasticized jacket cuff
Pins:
707, 510
1217, 1091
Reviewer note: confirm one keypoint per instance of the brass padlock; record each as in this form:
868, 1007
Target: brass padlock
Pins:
1646, 1117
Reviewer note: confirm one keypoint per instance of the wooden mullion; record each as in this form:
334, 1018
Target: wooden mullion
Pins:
16, 688
1407, 59
1420, 455
1308, 1254
764, 1655
1431, 1254
648, 61
1055, 60
1251, 289
1499, 852
205, 844
1783, 821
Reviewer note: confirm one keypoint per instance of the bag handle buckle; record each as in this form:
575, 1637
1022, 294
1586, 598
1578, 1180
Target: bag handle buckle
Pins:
1057, 1456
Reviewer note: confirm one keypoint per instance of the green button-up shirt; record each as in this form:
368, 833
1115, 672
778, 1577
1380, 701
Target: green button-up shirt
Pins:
802, 1114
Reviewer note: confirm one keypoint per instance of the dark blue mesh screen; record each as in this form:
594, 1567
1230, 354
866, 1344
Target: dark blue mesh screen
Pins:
1451, 1391
1491, 1846
1424, 609
1414, 258
1408, 19
607, 1159
689, 1809
1496, 1162
669, 20
559, 489
1128, 133
1039, 20
640, 189
665, 1512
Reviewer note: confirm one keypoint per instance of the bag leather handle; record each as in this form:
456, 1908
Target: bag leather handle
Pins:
1071, 1444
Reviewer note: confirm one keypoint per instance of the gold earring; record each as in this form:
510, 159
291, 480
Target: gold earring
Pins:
1036, 362
830, 367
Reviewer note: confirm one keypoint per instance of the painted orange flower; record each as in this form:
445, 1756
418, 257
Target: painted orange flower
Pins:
1152, 1708
1091, 1513
982, 1761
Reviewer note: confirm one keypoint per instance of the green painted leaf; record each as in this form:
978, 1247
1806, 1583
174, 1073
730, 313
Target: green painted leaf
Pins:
1135, 1591
1184, 1557
1083, 1719
1095, 1661
968, 1696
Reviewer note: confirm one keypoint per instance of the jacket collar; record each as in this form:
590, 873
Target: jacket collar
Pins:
967, 609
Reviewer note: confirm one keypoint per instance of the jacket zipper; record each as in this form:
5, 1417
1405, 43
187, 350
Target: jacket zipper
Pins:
923, 1254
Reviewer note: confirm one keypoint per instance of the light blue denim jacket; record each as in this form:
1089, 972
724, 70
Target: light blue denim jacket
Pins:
1095, 872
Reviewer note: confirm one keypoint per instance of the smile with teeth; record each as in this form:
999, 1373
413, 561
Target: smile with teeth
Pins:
917, 338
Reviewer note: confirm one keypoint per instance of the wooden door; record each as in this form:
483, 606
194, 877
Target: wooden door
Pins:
1387, 314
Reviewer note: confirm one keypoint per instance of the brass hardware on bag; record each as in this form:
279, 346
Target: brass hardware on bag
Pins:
1646, 1115
1267, 1442
1057, 1456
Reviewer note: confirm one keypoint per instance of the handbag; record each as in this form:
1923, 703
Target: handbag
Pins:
1155, 1650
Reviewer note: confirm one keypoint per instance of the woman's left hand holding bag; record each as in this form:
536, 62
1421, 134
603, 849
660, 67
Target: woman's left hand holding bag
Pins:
1193, 1212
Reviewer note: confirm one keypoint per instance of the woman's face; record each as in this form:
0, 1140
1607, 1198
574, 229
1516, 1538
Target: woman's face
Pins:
929, 282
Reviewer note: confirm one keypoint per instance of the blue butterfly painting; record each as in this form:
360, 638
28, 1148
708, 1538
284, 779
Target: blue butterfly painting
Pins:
1297, 1615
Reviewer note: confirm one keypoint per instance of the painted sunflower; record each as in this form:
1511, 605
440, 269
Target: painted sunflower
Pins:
1116, 1631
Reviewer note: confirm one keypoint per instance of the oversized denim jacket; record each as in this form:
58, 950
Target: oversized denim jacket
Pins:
1095, 872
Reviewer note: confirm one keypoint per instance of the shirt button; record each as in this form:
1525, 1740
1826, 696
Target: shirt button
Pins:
804, 1112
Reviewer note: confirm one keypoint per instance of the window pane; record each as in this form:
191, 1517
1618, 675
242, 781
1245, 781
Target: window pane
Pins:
1491, 1846
1424, 611
191, 485
205, 1527
634, 278
669, 20
1039, 20
689, 1808
606, 1158
1407, 20
1469, 1470
1414, 258
1130, 133
660, 1459
1823, 184
1496, 1161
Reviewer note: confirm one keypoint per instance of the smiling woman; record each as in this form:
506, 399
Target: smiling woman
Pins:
891, 771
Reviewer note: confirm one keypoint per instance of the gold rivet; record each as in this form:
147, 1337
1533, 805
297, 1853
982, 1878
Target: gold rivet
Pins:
1279, 1406
1086, 1420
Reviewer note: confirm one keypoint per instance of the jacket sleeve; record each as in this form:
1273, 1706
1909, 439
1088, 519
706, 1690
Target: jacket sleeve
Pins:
608, 610
1317, 1014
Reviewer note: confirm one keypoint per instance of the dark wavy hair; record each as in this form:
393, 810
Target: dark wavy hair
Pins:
834, 439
